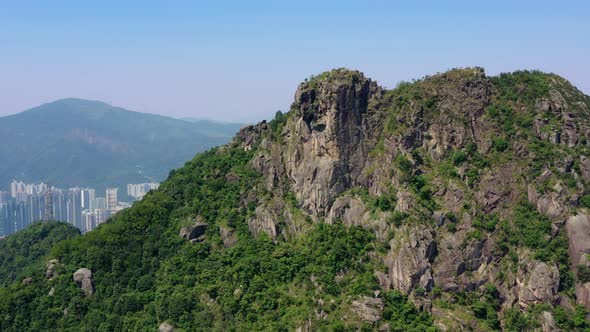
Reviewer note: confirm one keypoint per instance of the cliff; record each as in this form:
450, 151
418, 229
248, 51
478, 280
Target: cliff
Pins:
455, 202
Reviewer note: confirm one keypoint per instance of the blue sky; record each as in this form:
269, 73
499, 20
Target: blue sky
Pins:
242, 60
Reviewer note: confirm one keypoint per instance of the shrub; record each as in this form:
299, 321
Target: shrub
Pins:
583, 273
585, 201
459, 157
500, 144
397, 218
403, 164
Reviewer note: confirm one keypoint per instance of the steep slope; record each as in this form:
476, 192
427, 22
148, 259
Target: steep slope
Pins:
457, 202
79, 142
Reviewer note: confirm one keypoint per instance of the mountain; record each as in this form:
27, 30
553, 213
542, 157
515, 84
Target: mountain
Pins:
75, 142
215, 128
457, 202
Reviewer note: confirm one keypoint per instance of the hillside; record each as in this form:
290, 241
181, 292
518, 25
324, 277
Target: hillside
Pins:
215, 128
75, 142
29, 247
455, 202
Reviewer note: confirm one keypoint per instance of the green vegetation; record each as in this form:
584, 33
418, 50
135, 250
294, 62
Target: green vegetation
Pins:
523, 86
317, 269
145, 273
484, 305
583, 272
585, 201
29, 247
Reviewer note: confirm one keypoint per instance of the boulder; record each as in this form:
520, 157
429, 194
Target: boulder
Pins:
27, 281
166, 327
85, 280
51, 269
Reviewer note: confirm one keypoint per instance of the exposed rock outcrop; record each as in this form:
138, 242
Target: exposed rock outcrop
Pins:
194, 232
166, 327
368, 309
548, 322
458, 255
578, 231
263, 221
412, 252
537, 283
326, 153
228, 236
51, 269
85, 280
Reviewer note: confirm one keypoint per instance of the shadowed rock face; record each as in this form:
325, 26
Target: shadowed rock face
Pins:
194, 232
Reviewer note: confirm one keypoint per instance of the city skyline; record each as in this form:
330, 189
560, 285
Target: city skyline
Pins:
26, 203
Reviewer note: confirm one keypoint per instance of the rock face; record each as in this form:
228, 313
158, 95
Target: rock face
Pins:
458, 256
85, 280
194, 232
263, 221
327, 154
368, 309
548, 322
228, 237
539, 285
578, 231
410, 259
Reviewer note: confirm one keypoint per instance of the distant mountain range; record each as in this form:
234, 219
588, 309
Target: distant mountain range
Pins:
73, 142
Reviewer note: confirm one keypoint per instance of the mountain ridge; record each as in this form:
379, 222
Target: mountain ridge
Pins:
100, 138
455, 202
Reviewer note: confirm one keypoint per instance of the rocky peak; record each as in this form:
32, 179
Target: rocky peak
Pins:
458, 145
326, 136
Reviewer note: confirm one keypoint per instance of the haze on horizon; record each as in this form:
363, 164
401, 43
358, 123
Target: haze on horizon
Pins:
242, 61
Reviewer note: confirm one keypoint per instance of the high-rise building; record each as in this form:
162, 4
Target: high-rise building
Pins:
90, 197
100, 203
27, 203
139, 190
74, 207
112, 200
4, 196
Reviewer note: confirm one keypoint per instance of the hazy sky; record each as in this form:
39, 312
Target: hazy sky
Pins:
242, 60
